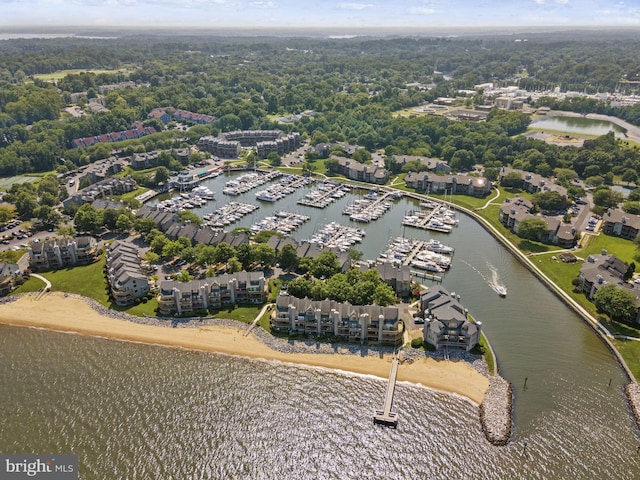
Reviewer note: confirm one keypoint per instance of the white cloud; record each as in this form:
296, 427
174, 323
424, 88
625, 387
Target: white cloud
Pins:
262, 4
540, 2
422, 10
562, 2
355, 6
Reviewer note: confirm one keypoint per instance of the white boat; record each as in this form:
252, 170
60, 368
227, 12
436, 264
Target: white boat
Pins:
438, 247
428, 266
266, 196
371, 196
204, 192
230, 191
500, 290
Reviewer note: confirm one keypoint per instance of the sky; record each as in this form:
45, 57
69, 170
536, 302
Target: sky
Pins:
320, 13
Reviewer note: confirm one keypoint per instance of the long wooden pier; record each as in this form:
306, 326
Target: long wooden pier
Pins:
386, 416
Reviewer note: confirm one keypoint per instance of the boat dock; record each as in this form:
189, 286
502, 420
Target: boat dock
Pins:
427, 276
281, 222
325, 194
286, 186
439, 219
430, 255
372, 207
249, 181
386, 416
334, 235
227, 214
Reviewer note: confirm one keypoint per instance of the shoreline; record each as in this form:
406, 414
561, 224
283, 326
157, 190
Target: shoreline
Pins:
73, 314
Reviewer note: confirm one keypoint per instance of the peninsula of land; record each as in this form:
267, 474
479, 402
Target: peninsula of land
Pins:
71, 314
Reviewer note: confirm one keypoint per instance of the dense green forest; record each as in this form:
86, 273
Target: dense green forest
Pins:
354, 86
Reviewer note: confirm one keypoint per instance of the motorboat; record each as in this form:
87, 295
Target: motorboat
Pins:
266, 196
500, 290
438, 247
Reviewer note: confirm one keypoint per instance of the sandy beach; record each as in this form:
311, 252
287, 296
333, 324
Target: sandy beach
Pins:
70, 314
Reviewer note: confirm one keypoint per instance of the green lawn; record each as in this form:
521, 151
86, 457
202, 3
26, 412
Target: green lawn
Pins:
31, 285
5, 183
245, 314
630, 351
88, 281
11, 256
130, 195
486, 353
265, 320
274, 289
141, 310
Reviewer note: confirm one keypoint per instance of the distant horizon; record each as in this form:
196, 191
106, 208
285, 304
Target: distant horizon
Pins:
40, 31
288, 14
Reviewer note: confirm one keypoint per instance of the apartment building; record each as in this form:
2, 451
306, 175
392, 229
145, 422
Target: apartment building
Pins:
446, 321
211, 293
353, 323
127, 281
59, 253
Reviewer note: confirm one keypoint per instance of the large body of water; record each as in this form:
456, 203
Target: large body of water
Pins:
579, 125
136, 411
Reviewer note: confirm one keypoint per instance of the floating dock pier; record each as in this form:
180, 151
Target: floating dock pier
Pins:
386, 416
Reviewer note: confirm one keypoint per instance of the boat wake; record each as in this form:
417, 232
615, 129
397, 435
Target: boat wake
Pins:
493, 281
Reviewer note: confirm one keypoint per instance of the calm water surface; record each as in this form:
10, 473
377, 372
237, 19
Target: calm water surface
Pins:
136, 411
583, 125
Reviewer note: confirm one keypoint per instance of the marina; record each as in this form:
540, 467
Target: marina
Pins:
369, 208
440, 219
334, 235
249, 181
186, 200
282, 222
324, 195
228, 214
287, 185
418, 254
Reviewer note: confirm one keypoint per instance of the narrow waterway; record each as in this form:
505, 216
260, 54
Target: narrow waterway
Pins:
138, 411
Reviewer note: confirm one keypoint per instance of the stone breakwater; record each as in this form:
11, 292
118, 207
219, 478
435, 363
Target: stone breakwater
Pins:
495, 411
632, 390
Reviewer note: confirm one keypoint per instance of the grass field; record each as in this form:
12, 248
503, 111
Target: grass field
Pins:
245, 314
60, 74
5, 183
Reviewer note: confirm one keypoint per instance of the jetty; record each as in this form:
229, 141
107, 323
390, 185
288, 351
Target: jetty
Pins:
386, 416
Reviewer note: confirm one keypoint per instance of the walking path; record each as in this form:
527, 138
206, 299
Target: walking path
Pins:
490, 200
47, 286
47, 282
257, 319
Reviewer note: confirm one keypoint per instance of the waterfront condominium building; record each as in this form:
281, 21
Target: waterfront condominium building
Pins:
446, 321
126, 279
211, 293
62, 253
354, 323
